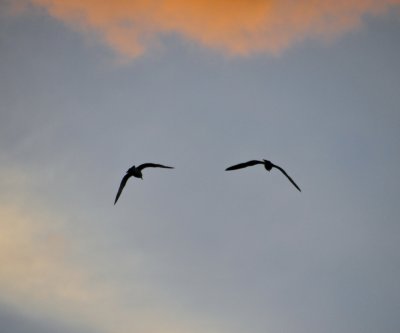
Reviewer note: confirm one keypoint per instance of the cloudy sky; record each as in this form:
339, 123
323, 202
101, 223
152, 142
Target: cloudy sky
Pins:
88, 88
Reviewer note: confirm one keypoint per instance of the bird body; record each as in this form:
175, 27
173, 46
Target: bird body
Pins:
136, 171
268, 166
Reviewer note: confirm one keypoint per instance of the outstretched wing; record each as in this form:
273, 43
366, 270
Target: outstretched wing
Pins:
288, 177
244, 165
152, 165
121, 187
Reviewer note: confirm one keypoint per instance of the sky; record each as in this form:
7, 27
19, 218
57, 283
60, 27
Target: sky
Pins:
90, 88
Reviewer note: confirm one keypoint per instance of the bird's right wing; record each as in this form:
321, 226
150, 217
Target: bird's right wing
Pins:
288, 177
121, 187
152, 165
244, 165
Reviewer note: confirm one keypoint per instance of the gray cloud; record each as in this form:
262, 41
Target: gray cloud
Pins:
216, 251
14, 321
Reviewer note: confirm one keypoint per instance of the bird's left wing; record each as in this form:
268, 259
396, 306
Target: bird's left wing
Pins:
288, 177
243, 165
121, 187
152, 165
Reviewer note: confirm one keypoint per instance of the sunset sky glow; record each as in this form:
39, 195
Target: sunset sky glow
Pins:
89, 88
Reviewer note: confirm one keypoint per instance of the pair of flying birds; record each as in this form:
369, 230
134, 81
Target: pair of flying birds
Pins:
136, 171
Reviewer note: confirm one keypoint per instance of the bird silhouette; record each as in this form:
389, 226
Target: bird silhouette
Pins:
136, 171
267, 164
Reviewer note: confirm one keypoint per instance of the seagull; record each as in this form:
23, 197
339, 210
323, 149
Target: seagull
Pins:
136, 171
267, 164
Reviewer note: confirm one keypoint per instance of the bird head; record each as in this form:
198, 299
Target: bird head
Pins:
268, 165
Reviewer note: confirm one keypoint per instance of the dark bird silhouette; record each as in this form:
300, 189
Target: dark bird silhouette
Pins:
267, 164
136, 171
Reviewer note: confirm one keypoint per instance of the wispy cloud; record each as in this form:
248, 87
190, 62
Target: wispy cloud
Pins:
235, 27
41, 272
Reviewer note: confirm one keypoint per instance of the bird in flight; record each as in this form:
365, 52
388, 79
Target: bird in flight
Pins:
136, 171
267, 164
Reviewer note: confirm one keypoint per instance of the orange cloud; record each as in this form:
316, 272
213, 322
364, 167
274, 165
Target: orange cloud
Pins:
236, 27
